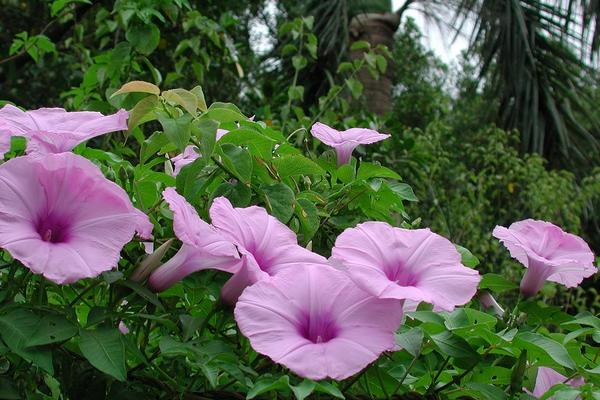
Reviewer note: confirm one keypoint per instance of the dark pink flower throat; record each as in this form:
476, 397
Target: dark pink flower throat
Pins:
53, 229
320, 328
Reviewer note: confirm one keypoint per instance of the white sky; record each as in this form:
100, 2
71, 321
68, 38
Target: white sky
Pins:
440, 42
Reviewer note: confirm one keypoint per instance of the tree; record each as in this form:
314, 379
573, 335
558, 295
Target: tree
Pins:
532, 55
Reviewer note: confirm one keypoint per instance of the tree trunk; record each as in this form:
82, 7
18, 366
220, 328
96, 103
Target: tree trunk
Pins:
376, 29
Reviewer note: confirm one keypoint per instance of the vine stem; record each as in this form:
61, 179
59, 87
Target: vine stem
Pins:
401, 381
437, 375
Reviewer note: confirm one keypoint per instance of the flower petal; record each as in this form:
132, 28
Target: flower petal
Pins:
356, 327
192, 230
416, 265
60, 217
186, 261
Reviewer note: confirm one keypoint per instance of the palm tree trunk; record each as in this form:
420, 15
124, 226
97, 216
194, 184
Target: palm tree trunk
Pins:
376, 29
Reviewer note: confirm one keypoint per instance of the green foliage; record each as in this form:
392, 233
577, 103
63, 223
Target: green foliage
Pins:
443, 168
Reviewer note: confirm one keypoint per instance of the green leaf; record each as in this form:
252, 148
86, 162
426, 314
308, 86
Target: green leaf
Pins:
142, 112
586, 319
427, 316
295, 165
368, 170
51, 328
404, 191
224, 112
59, 5
518, 372
359, 45
178, 130
268, 384
183, 98
356, 88
200, 101
257, 143
453, 346
238, 193
496, 283
137, 87
467, 257
488, 392
16, 328
345, 173
303, 389
537, 342
308, 215
299, 62
329, 388
152, 145
280, 201
188, 179
144, 37
105, 350
238, 161
206, 131
411, 341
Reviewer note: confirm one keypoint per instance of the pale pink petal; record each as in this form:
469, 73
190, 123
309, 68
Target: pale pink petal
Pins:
326, 134
252, 227
547, 378
248, 274
188, 156
345, 142
61, 218
54, 130
123, 328
5, 136
273, 245
548, 253
221, 133
186, 261
316, 322
192, 230
406, 264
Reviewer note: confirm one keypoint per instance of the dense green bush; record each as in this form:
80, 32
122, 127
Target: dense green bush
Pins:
178, 67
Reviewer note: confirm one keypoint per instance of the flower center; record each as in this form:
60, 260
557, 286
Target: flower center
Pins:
401, 275
53, 229
320, 328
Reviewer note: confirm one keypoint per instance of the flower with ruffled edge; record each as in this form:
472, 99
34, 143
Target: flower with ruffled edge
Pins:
203, 247
546, 378
63, 219
55, 130
268, 246
407, 264
548, 253
345, 142
317, 322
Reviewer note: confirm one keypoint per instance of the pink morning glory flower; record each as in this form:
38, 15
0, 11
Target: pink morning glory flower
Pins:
546, 378
191, 154
268, 246
407, 264
203, 246
345, 142
317, 322
548, 253
188, 156
124, 329
54, 130
62, 218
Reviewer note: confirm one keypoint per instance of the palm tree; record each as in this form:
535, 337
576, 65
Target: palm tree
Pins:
535, 56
